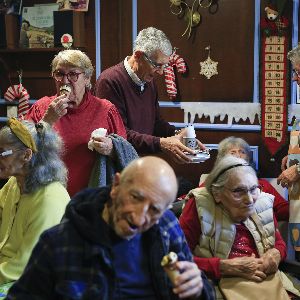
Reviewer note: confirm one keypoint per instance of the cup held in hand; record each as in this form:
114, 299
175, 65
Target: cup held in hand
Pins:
190, 142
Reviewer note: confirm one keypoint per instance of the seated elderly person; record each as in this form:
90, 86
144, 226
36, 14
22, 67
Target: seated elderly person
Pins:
111, 244
232, 195
75, 113
34, 198
238, 147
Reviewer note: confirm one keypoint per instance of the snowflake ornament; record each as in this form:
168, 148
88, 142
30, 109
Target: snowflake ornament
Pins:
208, 67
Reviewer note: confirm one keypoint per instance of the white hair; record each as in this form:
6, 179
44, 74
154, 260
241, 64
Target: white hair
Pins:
150, 40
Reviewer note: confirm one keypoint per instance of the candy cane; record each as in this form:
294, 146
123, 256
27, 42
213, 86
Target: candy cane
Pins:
178, 62
18, 92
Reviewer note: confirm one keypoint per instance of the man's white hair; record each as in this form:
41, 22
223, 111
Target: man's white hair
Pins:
150, 39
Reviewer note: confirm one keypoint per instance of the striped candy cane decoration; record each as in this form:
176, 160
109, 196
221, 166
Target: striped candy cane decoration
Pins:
178, 62
18, 92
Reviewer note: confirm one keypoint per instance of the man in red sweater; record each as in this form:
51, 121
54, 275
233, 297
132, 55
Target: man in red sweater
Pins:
130, 86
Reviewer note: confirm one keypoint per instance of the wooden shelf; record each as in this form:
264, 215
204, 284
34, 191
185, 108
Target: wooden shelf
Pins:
29, 50
32, 74
32, 50
5, 102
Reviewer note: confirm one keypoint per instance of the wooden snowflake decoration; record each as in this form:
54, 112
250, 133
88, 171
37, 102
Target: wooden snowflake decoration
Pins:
208, 67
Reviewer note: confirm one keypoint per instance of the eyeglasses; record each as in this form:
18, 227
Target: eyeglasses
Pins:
72, 76
239, 192
154, 64
296, 73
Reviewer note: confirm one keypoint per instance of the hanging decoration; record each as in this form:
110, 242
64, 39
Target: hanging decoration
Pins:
230, 111
190, 12
170, 80
208, 67
66, 40
274, 74
19, 93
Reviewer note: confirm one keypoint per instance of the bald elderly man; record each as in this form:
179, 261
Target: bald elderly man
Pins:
112, 241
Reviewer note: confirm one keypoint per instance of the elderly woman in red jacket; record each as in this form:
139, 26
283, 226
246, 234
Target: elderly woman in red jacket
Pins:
74, 113
233, 196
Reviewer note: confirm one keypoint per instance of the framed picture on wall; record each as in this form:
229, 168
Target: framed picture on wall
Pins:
79, 5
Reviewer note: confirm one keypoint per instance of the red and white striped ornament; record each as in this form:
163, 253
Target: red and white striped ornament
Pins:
178, 62
19, 93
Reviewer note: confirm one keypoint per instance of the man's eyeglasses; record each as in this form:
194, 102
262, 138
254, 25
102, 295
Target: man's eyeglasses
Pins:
240, 192
154, 64
72, 76
296, 73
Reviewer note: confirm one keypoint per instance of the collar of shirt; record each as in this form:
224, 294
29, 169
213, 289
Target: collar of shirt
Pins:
132, 75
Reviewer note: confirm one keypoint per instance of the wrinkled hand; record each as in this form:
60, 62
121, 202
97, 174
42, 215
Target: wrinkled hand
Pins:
173, 146
288, 177
57, 109
271, 260
103, 145
284, 163
189, 282
247, 267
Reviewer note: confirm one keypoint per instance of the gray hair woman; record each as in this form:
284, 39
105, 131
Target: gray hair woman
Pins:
238, 147
235, 146
34, 198
75, 113
233, 202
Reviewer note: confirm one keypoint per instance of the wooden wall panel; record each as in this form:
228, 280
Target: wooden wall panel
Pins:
230, 35
116, 31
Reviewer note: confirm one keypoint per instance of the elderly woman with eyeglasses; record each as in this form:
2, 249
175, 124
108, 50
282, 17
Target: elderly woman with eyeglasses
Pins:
238, 147
74, 113
230, 204
34, 198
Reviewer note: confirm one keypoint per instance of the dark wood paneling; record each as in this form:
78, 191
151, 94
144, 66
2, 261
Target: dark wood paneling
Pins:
90, 35
116, 36
230, 35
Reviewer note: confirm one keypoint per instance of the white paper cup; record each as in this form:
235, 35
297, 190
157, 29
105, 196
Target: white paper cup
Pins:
190, 142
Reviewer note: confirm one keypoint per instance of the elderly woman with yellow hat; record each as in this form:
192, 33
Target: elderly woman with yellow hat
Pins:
34, 198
